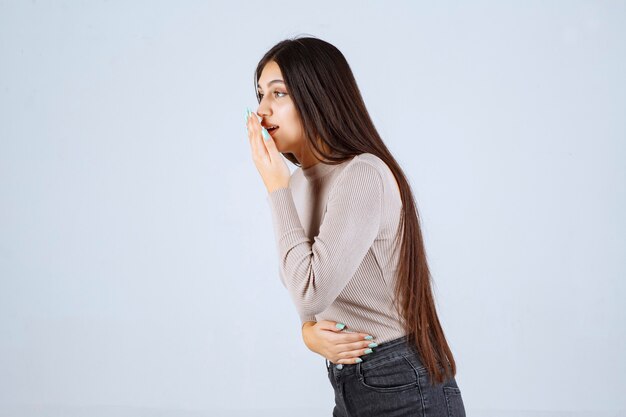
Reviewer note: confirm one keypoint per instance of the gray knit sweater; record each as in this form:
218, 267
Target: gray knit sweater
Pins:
335, 227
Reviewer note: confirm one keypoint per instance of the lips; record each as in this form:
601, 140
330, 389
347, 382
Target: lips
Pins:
271, 128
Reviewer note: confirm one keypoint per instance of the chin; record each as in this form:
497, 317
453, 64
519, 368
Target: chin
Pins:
280, 148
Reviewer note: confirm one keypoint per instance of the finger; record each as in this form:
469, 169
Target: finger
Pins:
346, 337
347, 354
258, 132
270, 145
253, 144
353, 356
253, 121
265, 137
254, 134
332, 325
338, 327
355, 337
360, 344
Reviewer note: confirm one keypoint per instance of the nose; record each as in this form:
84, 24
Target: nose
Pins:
263, 110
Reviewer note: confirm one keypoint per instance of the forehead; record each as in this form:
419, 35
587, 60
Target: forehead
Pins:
270, 72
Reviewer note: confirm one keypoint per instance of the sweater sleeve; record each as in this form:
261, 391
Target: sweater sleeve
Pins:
303, 318
316, 272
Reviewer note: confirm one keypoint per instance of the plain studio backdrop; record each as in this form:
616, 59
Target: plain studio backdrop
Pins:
138, 266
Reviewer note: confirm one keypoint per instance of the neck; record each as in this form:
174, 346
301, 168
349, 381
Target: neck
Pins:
308, 158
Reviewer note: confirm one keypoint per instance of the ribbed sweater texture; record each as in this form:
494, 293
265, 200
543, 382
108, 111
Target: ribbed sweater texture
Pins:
335, 229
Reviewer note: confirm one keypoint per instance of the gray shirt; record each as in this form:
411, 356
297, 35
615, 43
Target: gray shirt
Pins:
335, 227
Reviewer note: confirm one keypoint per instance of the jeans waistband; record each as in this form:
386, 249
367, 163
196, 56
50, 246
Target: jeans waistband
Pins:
383, 347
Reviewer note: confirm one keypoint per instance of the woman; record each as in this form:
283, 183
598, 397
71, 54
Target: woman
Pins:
347, 230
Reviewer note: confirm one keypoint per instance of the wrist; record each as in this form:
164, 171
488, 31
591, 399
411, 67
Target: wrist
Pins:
273, 187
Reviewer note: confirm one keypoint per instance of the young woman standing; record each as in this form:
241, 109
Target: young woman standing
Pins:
347, 229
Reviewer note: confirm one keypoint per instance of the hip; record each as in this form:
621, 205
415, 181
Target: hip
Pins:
390, 380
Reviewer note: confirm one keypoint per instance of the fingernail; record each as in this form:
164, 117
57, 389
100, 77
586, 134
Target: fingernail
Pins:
372, 345
340, 366
245, 117
266, 134
369, 337
358, 360
368, 350
340, 326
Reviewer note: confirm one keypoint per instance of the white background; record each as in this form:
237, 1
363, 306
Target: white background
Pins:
138, 270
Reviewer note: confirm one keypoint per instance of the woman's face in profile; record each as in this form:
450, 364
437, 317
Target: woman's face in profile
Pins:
277, 109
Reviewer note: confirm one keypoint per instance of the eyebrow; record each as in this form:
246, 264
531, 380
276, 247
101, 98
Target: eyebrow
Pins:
271, 82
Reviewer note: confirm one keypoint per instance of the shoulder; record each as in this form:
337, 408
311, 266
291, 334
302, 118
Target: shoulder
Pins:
372, 160
368, 165
370, 169
364, 173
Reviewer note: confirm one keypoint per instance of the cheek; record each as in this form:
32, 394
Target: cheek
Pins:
290, 116
292, 133
294, 126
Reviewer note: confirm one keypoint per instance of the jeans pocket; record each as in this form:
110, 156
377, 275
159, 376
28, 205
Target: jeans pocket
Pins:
390, 375
454, 402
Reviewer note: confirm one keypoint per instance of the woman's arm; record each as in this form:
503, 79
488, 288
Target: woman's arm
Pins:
325, 339
317, 270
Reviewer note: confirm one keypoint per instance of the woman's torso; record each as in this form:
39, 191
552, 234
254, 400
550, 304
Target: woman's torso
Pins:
366, 303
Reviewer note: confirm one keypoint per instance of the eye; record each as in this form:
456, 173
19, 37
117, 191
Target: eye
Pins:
275, 92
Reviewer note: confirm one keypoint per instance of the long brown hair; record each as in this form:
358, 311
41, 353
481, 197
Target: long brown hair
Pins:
332, 111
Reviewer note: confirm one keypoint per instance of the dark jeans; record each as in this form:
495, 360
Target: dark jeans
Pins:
391, 381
